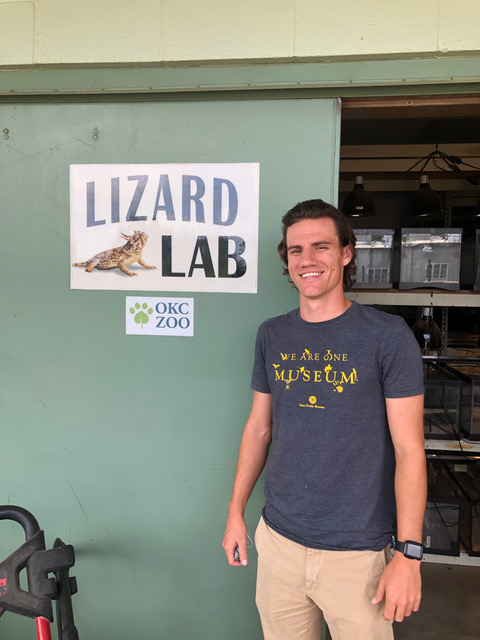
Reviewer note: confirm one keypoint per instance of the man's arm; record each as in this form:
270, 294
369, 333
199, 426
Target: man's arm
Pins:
253, 453
400, 583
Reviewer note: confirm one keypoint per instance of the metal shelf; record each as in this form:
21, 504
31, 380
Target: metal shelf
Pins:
416, 298
452, 446
463, 559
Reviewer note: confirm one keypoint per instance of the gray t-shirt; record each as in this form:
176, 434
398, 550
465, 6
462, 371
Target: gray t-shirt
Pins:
329, 480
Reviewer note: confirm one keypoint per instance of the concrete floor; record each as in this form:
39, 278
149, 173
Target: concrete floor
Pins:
450, 608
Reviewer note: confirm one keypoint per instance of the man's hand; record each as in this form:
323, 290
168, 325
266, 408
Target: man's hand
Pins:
401, 586
236, 537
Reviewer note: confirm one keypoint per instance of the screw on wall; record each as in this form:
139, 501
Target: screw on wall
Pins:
5, 134
95, 134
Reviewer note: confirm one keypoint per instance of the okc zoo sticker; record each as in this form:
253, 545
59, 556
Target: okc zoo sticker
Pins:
159, 316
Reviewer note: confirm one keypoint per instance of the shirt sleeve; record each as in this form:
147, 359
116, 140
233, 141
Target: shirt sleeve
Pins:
259, 374
402, 368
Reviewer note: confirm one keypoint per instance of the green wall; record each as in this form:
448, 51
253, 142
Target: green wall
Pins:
125, 446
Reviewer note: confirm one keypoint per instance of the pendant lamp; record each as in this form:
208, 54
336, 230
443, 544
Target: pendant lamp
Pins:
359, 203
426, 201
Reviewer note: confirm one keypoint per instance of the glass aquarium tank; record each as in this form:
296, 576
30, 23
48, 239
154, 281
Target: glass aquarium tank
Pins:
374, 258
430, 258
442, 404
469, 374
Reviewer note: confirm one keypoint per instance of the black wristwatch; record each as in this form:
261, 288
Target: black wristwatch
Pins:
410, 549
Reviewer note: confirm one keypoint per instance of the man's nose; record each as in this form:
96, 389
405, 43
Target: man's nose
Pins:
308, 257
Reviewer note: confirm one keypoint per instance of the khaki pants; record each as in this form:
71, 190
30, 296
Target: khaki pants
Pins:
297, 586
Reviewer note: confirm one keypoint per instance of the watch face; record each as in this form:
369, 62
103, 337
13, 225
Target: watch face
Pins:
413, 550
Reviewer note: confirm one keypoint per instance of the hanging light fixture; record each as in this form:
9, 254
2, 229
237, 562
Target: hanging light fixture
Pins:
426, 202
359, 203
447, 164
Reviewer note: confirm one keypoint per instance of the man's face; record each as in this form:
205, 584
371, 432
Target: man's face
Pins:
315, 258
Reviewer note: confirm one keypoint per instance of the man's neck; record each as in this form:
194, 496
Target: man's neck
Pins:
321, 310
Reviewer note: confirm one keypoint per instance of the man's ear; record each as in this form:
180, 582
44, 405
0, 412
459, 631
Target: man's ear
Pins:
347, 255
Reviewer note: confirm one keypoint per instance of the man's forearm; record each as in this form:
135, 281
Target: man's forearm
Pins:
400, 584
410, 494
405, 419
253, 454
251, 460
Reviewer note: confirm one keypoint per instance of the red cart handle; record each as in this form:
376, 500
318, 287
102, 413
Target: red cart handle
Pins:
39, 562
43, 629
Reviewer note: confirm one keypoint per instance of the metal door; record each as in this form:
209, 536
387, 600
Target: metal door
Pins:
125, 446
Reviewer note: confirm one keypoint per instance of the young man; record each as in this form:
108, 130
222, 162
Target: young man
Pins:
338, 410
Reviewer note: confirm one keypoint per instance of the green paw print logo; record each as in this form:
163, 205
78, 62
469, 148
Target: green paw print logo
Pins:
141, 313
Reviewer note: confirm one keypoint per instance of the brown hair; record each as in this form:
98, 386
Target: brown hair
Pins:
313, 209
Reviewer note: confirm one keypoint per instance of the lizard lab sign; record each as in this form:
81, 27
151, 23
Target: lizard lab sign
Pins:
164, 227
